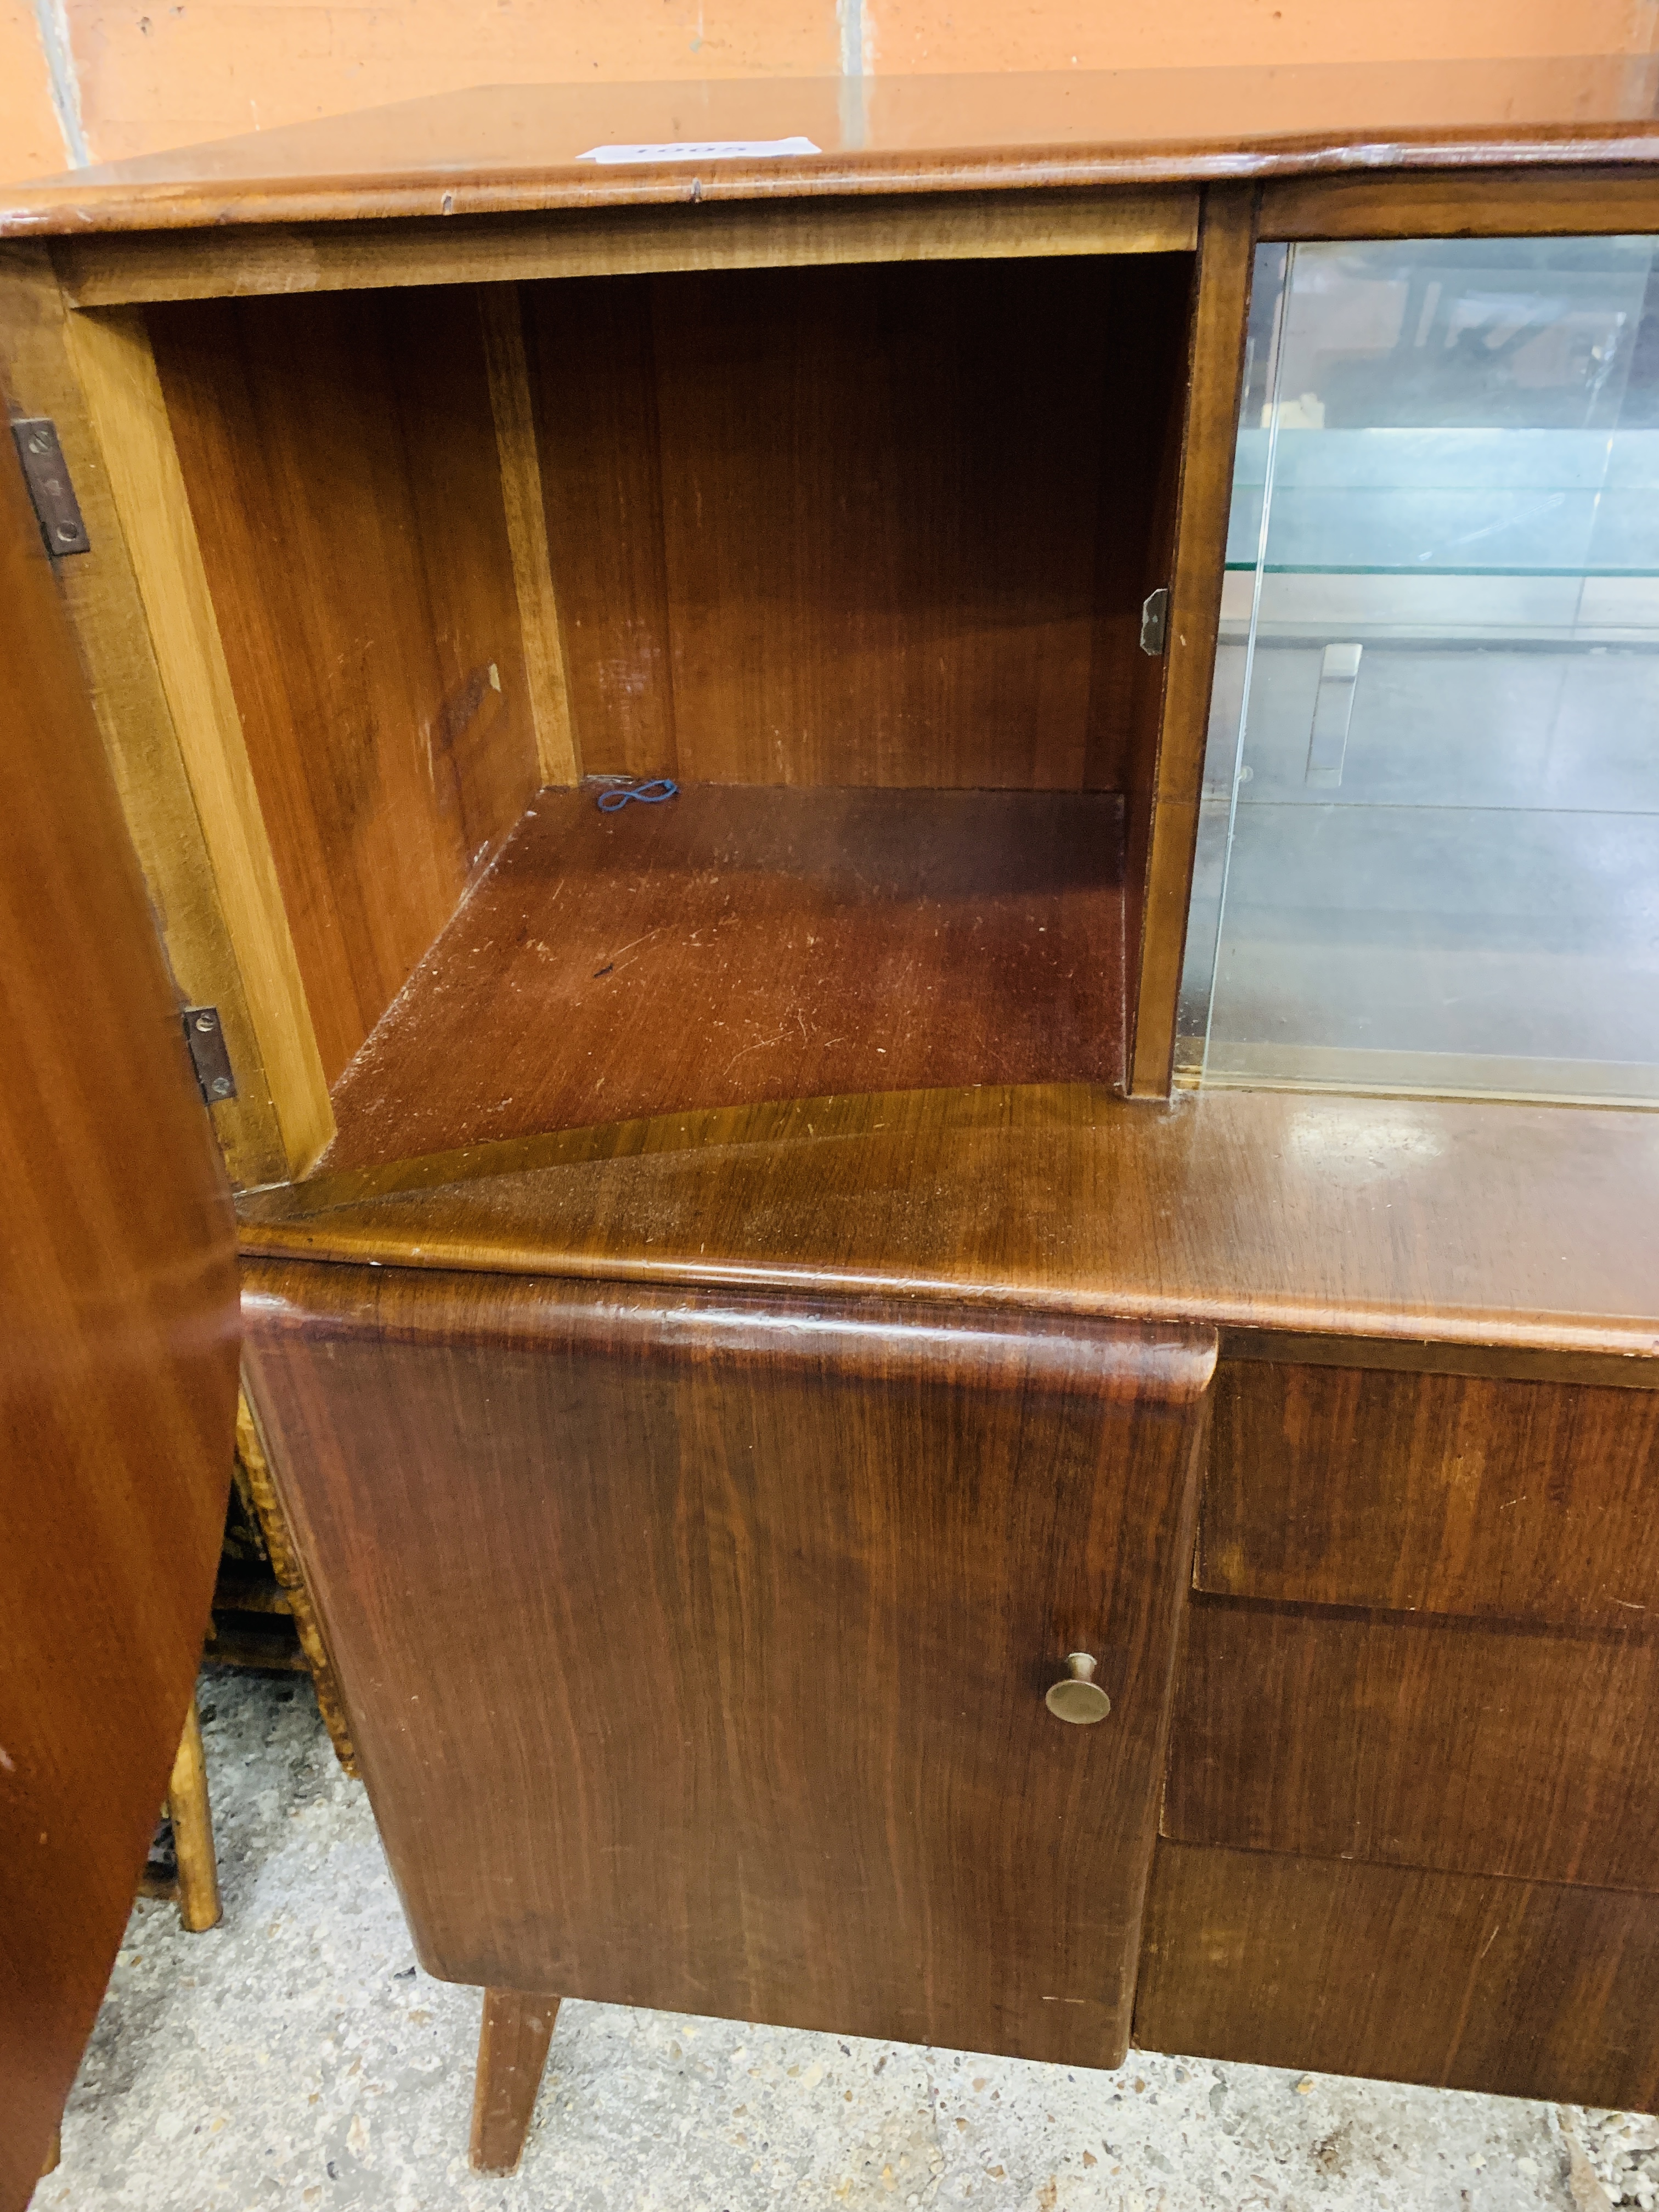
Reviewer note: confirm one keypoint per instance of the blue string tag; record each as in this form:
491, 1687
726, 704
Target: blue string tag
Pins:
652, 794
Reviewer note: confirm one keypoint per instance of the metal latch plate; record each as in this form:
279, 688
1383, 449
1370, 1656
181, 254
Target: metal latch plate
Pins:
206, 1039
56, 507
1155, 621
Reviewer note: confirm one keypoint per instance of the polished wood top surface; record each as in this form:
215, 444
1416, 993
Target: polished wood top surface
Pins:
501, 148
1460, 1222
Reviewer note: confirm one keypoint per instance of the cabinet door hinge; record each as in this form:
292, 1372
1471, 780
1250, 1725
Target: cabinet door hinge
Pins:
206, 1039
55, 507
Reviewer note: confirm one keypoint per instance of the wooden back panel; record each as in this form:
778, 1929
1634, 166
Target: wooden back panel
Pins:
696, 1646
860, 525
341, 462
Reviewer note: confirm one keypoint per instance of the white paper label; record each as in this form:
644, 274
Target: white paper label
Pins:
708, 150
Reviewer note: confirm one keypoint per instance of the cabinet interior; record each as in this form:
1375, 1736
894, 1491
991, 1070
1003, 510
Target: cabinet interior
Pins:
855, 555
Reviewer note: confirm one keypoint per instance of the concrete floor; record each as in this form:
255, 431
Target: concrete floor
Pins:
297, 2057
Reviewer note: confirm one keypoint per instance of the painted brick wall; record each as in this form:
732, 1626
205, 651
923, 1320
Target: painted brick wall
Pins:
31, 142
135, 75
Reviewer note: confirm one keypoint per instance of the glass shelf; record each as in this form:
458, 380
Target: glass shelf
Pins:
1429, 843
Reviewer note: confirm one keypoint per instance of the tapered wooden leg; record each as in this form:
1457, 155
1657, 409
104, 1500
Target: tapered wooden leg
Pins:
193, 1832
513, 2039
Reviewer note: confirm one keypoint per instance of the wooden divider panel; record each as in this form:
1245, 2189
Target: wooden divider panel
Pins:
1163, 818
1143, 403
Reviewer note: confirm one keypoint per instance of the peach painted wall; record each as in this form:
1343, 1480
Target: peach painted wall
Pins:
138, 76
31, 141
901, 35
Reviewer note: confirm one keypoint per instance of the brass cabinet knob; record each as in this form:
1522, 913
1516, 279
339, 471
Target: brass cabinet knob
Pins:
1078, 1698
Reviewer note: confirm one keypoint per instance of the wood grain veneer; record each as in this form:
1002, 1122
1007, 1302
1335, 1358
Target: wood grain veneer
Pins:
740, 943
513, 2034
512, 402
118, 1363
1532, 1501
1400, 1221
340, 459
1525, 202
796, 1349
881, 494
1144, 403
100, 591
117, 370
516, 149
1469, 1746
887, 526
1167, 765
1523, 1989
623, 241
700, 1616
1497, 1361
593, 380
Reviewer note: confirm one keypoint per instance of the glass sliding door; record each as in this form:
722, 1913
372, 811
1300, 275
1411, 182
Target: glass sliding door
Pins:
1429, 849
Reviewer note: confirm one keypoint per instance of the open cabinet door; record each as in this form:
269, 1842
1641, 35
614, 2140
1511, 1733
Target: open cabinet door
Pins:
118, 1344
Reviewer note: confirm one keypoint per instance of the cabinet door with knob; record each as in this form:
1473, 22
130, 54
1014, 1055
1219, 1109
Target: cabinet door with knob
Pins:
708, 1651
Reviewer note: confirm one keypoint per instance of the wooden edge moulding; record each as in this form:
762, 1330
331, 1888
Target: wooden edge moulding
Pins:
1220, 315
113, 271
521, 150
1506, 204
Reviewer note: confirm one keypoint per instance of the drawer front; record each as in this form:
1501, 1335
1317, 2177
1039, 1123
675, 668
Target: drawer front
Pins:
1468, 1747
1518, 1988
696, 1649
1439, 1493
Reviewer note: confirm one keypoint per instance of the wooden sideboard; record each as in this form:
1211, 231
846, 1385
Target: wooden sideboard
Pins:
738, 1311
